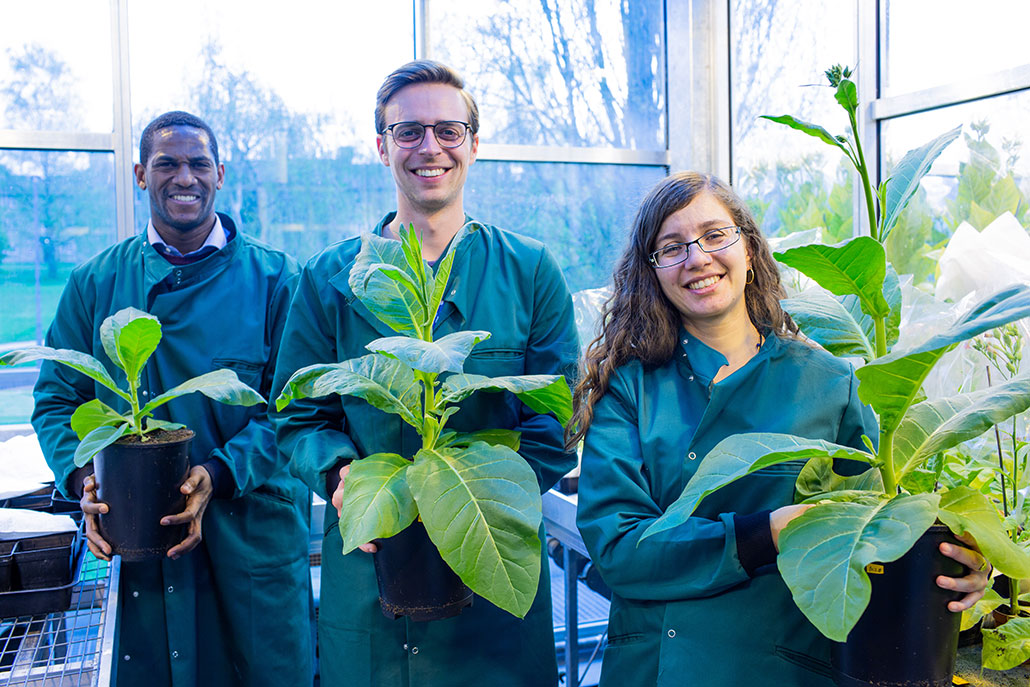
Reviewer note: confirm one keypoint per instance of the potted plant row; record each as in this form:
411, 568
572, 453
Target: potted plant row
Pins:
861, 563
139, 461
466, 504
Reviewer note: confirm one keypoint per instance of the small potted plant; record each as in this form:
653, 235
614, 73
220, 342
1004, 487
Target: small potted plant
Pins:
139, 461
863, 527
471, 494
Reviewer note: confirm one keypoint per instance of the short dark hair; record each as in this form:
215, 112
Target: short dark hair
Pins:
174, 118
422, 71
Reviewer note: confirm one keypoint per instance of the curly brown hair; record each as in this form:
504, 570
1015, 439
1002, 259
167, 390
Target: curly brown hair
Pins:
638, 321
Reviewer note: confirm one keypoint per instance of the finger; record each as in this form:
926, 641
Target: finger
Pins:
972, 559
191, 541
185, 546
965, 603
369, 547
96, 550
97, 544
94, 507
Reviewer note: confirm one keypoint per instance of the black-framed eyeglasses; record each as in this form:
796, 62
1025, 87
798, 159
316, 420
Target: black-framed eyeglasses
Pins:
710, 242
410, 134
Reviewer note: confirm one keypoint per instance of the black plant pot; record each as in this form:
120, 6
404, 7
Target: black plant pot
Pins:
414, 581
140, 483
907, 636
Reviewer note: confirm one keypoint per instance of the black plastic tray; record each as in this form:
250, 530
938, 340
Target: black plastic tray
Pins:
45, 600
37, 574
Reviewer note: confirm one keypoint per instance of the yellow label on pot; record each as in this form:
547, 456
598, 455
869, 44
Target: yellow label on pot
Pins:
874, 569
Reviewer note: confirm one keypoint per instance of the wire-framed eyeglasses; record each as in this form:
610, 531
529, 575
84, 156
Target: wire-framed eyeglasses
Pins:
410, 134
710, 242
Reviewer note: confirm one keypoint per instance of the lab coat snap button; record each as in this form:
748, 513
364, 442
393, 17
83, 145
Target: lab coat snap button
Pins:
672, 633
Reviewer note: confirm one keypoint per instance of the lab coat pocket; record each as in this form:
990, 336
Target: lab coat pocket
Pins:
248, 372
496, 362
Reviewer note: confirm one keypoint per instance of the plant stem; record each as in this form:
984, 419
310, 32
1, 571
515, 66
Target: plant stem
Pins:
137, 421
880, 324
864, 173
886, 456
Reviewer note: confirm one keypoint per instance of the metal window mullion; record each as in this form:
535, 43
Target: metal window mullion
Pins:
1004, 82
698, 86
89, 142
498, 152
869, 40
124, 182
420, 13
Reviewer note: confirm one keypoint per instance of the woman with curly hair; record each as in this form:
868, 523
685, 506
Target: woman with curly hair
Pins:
694, 347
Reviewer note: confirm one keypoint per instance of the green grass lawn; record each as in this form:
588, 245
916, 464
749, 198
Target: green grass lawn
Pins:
18, 300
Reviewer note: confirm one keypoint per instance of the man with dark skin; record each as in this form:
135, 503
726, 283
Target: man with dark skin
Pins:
230, 604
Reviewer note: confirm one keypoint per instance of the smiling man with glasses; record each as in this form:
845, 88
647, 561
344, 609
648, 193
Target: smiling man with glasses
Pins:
427, 135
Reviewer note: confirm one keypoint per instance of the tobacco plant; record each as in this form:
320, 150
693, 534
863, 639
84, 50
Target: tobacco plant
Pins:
878, 515
477, 497
129, 337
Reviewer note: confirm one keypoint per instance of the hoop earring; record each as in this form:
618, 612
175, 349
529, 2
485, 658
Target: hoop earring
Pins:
750, 276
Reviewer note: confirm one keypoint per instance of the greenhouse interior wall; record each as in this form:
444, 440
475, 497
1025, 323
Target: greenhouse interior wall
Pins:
585, 104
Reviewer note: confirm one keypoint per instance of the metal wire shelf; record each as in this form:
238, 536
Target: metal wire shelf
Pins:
70, 648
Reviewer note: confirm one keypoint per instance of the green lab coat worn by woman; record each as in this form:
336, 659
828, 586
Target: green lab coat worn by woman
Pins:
235, 610
500, 282
684, 610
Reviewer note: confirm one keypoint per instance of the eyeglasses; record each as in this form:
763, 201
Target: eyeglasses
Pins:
410, 134
710, 242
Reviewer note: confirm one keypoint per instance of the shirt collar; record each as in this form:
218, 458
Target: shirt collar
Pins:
217, 238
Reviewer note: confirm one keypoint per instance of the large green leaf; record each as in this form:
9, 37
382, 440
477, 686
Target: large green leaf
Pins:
810, 129
93, 414
934, 426
153, 424
481, 507
856, 267
446, 354
542, 393
495, 437
86, 364
890, 384
443, 273
97, 440
892, 294
836, 323
377, 502
823, 554
1008, 645
987, 603
740, 455
966, 510
411, 245
394, 302
219, 385
130, 337
385, 383
817, 479
905, 177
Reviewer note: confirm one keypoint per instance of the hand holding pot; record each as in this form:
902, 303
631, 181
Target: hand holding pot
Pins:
338, 503
975, 583
198, 489
91, 508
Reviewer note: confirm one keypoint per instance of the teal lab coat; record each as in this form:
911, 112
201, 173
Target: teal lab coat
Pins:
502, 283
235, 610
684, 611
